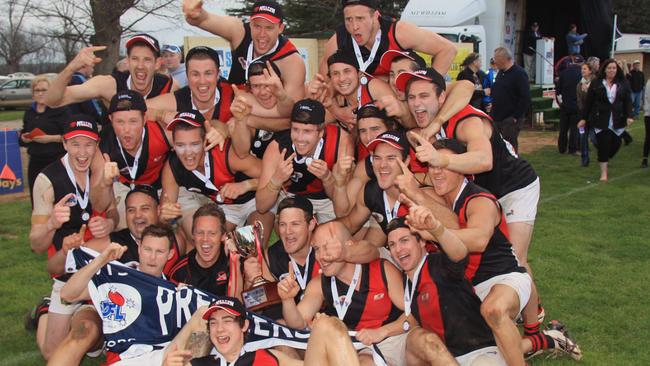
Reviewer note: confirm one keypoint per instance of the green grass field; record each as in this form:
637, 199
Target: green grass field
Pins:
11, 115
589, 255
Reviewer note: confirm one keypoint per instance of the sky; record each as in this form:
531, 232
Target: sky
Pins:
168, 32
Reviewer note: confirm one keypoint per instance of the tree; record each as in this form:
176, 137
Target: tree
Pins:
100, 22
16, 42
306, 18
632, 16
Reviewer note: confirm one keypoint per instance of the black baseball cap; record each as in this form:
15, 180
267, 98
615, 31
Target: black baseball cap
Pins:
395, 139
191, 117
308, 111
369, 3
144, 39
229, 304
342, 57
370, 110
81, 125
396, 223
297, 202
127, 100
268, 10
257, 67
203, 50
390, 55
147, 189
428, 74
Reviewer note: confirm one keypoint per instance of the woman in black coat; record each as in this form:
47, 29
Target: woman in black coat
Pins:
42, 130
608, 110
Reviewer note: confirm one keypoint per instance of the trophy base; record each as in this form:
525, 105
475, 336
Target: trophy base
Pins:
261, 296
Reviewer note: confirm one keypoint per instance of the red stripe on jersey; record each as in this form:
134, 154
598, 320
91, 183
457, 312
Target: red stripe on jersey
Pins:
168, 86
366, 97
111, 358
172, 261
415, 165
467, 112
264, 358
392, 45
428, 301
475, 257
221, 173
378, 304
332, 138
362, 151
227, 96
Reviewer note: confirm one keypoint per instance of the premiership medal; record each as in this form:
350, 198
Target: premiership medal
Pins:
406, 326
85, 216
257, 144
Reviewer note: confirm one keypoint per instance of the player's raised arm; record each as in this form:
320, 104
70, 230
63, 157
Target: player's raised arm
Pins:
230, 28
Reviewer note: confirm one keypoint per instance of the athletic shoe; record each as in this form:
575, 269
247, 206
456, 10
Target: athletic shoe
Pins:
31, 318
563, 344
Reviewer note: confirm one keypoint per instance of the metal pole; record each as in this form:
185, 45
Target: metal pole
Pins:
611, 55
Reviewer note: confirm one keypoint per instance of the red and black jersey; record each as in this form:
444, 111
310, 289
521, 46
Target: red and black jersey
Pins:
279, 264
125, 238
373, 197
260, 141
445, 304
388, 26
498, 257
155, 148
221, 109
509, 172
162, 84
302, 182
362, 151
220, 174
213, 279
237, 74
261, 357
371, 305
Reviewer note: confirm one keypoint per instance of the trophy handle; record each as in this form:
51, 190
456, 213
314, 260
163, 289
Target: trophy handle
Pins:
258, 231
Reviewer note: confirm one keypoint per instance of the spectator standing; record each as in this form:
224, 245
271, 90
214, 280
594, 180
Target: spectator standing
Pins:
646, 110
608, 109
637, 81
46, 146
172, 57
574, 40
473, 73
567, 99
488, 82
530, 46
510, 96
90, 107
588, 72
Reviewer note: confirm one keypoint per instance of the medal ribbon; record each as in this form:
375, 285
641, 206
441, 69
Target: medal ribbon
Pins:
342, 308
82, 200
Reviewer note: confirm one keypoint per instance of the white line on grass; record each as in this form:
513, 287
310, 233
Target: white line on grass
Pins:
20, 359
588, 186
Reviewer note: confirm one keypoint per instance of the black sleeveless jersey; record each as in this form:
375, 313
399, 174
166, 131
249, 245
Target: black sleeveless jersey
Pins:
509, 172
220, 174
62, 185
388, 42
373, 197
260, 141
445, 303
237, 74
261, 357
302, 182
498, 258
371, 305
221, 109
279, 265
162, 84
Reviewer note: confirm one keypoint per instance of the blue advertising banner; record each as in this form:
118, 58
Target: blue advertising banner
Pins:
11, 166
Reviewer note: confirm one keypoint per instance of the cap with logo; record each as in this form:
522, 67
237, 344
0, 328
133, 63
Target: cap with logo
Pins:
146, 40
268, 10
372, 4
171, 48
395, 139
81, 125
388, 57
127, 100
427, 74
210, 52
308, 111
230, 305
192, 117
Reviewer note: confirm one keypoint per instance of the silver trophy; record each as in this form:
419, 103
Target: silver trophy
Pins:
248, 240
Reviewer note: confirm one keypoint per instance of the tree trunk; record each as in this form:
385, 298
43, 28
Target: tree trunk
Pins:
108, 31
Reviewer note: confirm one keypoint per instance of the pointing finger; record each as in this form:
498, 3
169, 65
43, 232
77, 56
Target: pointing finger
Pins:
407, 201
405, 169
